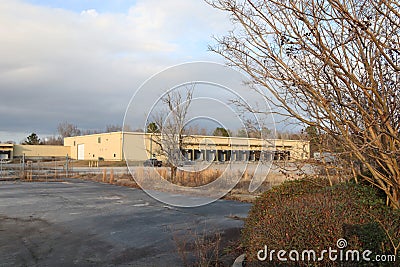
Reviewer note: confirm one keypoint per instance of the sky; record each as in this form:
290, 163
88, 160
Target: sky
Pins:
80, 61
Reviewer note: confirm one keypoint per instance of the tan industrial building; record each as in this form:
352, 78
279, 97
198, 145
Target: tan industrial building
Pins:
141, 146
10, 151
6, 152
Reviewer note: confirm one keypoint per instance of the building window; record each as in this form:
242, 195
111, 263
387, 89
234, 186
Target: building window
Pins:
74, 143
115, 155
99, 140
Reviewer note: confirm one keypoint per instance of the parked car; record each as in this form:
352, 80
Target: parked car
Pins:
153, 162
186, 163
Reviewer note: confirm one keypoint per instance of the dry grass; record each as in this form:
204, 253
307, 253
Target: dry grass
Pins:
198, 248
202, 246
87, 163
149, 177
191, 178
111, 178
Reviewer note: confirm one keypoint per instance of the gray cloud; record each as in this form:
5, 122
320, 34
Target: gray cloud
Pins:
59, 65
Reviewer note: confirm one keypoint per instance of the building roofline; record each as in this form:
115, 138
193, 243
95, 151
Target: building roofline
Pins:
194, 136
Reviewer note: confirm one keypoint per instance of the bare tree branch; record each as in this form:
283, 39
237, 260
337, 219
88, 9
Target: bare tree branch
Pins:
330, 64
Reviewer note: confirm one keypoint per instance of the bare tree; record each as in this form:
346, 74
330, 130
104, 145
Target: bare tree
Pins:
171, 122
138, 130
195, 130
257, 129
89, 131
113, 128
332, 65
52, 140
66, 129
203, 131
241, 133
128, 128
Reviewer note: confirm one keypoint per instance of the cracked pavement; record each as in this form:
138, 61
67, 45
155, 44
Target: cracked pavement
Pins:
84, 223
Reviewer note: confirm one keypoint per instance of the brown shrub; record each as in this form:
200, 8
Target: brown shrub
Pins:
305, 215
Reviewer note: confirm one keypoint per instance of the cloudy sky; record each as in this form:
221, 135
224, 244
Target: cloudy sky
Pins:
81, 60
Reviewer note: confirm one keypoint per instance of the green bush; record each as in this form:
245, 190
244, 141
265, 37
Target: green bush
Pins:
311, 215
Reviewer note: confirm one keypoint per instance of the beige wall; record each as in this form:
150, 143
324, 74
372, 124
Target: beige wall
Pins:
298, 149
138, 145
109, 145
222, 143
105, 145
41, 151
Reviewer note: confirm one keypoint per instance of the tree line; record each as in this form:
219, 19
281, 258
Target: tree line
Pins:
66, 129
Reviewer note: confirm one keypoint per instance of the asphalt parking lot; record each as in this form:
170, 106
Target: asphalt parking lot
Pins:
83, 223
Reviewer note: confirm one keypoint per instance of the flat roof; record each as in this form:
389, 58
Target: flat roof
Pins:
6, 145
195, 136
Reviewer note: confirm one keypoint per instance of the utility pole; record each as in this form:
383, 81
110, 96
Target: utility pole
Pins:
66, 167
23, 166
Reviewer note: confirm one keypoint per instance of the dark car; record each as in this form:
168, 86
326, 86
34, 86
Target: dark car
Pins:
186, 163
152, 163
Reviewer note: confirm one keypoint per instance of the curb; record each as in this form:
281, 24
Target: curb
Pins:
239, 261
